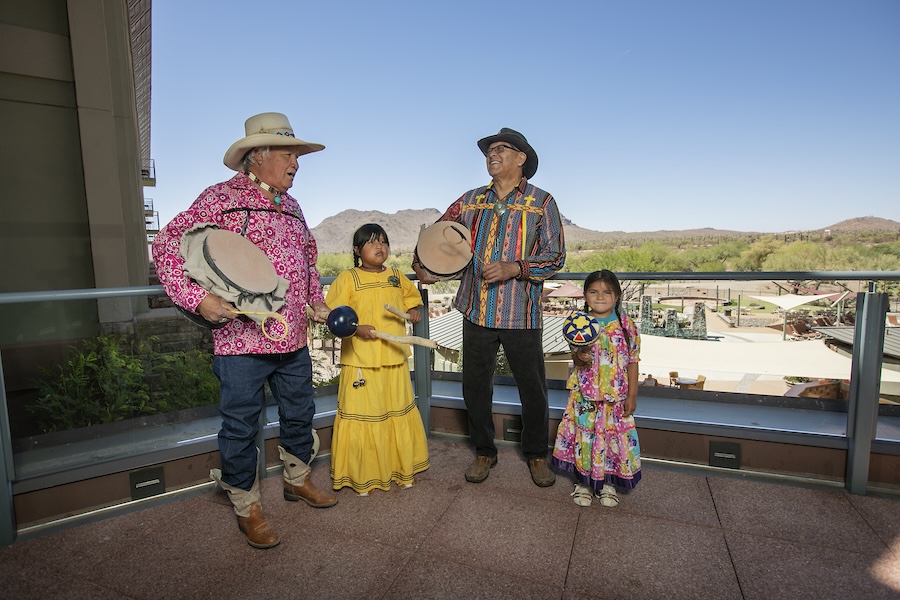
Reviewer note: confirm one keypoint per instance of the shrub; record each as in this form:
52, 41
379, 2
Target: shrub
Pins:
184, 380
101, 382
112, 378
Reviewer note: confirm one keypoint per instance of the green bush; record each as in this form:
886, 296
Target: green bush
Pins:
100, 383
184, 380
112, 378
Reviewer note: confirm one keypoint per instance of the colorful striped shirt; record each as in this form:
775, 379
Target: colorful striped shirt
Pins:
529, 231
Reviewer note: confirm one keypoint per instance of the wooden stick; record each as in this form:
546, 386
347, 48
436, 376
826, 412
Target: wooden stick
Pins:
405, 339
396, 311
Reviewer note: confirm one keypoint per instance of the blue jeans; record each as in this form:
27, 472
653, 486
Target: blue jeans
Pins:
242, 397
525, 353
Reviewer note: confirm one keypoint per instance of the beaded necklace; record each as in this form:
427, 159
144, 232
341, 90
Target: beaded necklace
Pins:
266, 187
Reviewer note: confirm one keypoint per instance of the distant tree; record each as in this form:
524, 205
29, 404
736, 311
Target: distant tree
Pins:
330, 265
753, 257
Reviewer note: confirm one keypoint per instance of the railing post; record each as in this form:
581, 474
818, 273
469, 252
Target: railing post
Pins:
865, 383
7, 472
422, 366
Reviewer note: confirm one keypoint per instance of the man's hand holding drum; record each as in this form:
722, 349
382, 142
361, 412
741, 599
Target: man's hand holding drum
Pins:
216, 310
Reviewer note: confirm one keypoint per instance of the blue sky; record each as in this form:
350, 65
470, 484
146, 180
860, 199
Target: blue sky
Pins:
763, 115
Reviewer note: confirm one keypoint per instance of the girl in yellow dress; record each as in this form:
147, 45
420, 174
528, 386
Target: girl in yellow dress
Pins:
378, 436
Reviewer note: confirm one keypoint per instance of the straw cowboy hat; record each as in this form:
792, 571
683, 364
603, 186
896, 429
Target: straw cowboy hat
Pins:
516, 139
266, 129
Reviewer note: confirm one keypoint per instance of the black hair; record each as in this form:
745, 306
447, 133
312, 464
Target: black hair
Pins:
610, 279
367, 233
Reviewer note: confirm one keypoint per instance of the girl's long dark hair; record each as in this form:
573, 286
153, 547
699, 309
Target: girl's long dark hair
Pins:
610, 279
366, 233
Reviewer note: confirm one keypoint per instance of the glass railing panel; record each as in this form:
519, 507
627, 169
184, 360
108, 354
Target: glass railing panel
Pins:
145, 383
756, 343
80, 392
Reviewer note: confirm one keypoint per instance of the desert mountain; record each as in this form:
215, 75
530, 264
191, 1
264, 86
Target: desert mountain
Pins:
334, 234
860, 224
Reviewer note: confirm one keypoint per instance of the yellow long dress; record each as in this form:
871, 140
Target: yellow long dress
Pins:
378, 436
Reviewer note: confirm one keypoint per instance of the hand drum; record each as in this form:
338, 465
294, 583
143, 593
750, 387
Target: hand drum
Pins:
580, 329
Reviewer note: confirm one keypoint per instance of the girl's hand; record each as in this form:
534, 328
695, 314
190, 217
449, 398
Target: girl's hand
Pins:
582, 356
365, 332
414, 315
630, 405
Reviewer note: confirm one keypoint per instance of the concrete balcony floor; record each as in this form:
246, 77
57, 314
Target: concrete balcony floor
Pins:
680, 534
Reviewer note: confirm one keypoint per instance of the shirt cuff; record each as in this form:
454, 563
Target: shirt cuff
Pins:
523, 270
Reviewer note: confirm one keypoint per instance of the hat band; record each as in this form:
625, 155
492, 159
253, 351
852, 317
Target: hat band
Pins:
287, 132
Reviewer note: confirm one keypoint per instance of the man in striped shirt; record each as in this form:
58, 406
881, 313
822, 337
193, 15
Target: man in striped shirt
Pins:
517, 243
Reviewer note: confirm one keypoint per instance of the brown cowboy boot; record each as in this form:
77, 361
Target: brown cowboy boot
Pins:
298, 486
251, 520
260, 534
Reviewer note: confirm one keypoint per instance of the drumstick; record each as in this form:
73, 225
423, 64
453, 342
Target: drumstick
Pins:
405, 339
396, 311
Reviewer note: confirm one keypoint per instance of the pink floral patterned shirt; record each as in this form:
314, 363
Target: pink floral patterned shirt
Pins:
237, 205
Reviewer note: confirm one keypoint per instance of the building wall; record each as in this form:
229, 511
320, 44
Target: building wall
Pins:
71, 199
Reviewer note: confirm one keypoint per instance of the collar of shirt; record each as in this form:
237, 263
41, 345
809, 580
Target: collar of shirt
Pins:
241, 182
519, 188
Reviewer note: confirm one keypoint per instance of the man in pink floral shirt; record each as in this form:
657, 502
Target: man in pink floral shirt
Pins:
255, 204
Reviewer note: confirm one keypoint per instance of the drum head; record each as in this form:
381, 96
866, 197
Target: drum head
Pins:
445, 249
239, 261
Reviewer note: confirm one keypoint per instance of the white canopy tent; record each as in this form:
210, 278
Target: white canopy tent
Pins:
567, 290
789, 302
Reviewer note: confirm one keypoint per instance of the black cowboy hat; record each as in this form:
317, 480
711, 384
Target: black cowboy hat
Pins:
517, 140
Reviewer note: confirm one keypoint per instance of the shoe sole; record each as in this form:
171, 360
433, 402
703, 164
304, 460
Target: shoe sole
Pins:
257, 545
263, 546
476, 480
296, 498
544, 482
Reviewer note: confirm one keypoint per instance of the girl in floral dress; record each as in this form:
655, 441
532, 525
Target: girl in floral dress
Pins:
596, 440
378, 436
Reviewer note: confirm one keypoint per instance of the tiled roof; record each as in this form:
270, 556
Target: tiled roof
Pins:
845, 335
446, 330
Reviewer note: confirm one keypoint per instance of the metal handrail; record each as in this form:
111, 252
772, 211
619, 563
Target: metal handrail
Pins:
98, 293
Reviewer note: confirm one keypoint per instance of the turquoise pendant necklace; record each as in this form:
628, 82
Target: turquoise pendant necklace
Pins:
266, 187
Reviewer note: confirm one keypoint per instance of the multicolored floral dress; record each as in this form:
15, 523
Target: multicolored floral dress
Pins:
594, 441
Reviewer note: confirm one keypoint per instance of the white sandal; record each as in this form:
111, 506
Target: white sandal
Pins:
608, 496
582, 495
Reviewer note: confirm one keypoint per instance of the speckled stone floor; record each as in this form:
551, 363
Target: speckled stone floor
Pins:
679, 534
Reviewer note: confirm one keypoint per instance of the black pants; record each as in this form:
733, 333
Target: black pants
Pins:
525, 352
